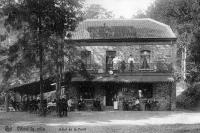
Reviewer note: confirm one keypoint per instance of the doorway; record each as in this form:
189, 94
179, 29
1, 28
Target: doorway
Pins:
146, 89
110, 93
109, 60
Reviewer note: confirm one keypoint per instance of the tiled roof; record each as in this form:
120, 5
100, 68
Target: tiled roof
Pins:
115, 29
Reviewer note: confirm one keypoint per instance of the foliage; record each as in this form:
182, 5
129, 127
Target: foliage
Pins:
95, 11
182, 16
140, 14
163, 67
189, 98
195, 48
194, 55
42, 23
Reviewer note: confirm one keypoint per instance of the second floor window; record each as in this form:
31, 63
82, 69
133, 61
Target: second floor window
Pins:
145, 59
109, 60
86, 58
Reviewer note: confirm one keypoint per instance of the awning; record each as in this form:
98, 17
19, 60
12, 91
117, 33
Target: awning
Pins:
34, 87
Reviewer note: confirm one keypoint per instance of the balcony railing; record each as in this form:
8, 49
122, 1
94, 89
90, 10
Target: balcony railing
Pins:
157, 67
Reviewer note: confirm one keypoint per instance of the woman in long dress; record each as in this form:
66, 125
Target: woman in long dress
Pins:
145, 64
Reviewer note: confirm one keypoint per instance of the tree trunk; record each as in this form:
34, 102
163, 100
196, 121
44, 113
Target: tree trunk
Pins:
6, 102
59, 68
58, 77
41, 82
184, 55
39, 33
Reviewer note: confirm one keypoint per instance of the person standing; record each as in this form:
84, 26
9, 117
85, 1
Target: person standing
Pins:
60, 107
116, 62
137, 104
64, 107
70, 102
81, 104
131, 62
115, 102
145, 64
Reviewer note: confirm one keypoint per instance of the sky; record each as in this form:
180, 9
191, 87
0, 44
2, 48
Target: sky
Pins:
125, 8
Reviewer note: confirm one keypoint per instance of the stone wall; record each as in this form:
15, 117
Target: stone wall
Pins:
124, 50
162, 93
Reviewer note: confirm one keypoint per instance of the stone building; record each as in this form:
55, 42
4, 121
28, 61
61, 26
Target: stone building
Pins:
128, 59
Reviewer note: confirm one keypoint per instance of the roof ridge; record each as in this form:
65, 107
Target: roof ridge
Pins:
118, 19
160, 23
133, 19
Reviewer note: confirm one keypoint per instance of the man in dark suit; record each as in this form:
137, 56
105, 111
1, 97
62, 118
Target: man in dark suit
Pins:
64, 107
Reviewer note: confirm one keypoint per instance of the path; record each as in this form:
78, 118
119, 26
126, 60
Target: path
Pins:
117, 121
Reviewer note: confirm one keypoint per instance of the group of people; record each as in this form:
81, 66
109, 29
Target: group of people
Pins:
117, 64
97, 105
28, 105
135, 105
34, 106
63, 105
82, 104
149, 105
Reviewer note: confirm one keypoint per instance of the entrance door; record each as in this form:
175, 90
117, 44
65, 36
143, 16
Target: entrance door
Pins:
147, 90
110, 93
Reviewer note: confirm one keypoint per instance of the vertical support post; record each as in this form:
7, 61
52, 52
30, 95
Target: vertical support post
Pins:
173, 96
173, 84
174, 56
21, 96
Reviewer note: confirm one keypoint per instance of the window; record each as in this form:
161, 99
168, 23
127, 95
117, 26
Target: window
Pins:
109, 60
86, 58
145, 59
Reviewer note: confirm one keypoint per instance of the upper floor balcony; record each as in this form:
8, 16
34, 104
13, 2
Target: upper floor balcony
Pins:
128, 68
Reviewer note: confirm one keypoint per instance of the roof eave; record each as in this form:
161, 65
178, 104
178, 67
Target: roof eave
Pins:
122, 40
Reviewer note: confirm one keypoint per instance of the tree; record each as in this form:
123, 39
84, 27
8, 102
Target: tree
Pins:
40, 22
194, 56
139, 14
95, 11
182, 16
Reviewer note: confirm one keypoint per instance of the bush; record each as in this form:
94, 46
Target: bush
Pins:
189, 98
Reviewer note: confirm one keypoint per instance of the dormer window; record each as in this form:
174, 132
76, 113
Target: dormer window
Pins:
145, 59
